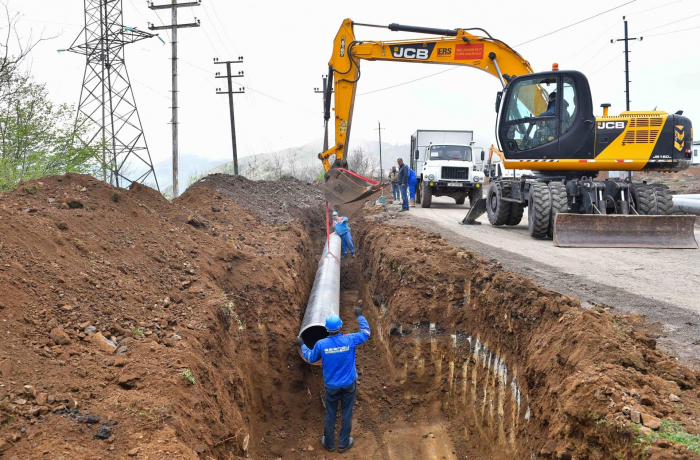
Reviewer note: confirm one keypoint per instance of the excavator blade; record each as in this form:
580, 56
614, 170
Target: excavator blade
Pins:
620, 231
476, 211
343, 186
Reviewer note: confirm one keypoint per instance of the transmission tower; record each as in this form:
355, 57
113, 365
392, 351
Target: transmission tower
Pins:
107, 106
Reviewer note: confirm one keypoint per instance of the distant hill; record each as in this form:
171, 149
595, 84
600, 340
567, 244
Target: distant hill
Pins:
303, 162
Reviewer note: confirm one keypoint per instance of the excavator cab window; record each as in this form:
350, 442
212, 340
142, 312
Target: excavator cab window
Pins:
569, 104
530, 117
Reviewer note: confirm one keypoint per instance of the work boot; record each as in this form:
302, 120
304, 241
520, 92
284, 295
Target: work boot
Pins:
412, 203
323, 443
351, 442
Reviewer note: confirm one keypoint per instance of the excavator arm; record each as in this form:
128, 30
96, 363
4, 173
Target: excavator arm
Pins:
453, 47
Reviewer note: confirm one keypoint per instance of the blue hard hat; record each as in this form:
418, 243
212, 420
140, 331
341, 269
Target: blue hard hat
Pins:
335, 213
333, 323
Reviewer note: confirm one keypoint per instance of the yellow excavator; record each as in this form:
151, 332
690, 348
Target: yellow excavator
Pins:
545, 123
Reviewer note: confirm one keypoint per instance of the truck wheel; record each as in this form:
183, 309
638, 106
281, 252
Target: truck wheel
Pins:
497, 210
475, 195
560, 203
516, 214
427, 196
418, 192
460, 199
539, 211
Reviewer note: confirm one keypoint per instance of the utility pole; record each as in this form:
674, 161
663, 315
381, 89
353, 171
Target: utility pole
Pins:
627, 61
230, 93
322, 90
174, 26
107, 116
381, 169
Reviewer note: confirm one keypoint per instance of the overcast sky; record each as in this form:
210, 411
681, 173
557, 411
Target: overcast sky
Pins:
286, 47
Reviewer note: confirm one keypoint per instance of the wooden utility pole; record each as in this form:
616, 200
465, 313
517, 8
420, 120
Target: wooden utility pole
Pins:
230, 93
627, 60
174, 26
381, 168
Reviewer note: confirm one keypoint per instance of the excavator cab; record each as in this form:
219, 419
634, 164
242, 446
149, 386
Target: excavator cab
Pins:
547, 116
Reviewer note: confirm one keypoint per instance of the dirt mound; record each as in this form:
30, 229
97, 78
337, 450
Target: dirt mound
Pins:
277, 202
519, 371
152, 327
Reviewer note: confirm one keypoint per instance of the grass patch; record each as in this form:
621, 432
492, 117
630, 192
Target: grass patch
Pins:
137, 331
188, 376
673, 432
31, 189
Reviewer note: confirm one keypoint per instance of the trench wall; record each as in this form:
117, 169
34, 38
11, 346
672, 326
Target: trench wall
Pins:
519, 370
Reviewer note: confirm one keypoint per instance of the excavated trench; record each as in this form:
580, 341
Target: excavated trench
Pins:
469, 361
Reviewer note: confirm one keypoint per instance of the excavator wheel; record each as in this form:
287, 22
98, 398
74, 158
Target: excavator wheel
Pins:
664, 201
497, 210
652, 200
516, 214
539, 211
560, 203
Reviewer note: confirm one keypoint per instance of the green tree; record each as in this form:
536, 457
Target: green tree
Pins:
38, 137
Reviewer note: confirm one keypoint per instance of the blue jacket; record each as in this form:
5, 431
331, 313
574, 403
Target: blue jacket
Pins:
412, 177
403, 175
341, 226
338, 354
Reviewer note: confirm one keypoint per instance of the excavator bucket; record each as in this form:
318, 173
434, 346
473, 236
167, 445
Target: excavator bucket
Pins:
476, 211
624, 231
343, 186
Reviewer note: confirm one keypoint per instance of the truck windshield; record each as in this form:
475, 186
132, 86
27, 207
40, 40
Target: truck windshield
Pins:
450, 152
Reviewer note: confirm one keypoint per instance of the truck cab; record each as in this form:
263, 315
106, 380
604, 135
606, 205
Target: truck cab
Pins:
449, 170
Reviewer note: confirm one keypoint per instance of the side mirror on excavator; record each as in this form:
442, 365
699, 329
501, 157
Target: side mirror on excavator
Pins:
416, 154
483, 155
499, 96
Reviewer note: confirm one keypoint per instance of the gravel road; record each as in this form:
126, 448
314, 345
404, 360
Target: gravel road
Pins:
663, 285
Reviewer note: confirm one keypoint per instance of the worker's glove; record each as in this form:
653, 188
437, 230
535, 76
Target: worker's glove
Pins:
358, 311
299, 342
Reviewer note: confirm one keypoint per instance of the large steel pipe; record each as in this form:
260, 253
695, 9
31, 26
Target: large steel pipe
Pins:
687, 203
325, 295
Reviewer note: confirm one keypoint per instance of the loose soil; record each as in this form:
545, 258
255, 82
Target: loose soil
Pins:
134, 327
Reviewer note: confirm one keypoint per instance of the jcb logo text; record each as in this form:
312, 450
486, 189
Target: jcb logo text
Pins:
611, 125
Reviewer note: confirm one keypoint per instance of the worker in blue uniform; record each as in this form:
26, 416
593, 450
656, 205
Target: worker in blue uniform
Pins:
337, 352
343, 230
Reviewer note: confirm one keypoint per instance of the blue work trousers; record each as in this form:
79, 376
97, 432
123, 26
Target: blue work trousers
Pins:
412, 189
346, 242
346, 396
404, 197
395, 192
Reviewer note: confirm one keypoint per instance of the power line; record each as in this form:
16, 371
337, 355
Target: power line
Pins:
594, 55
594, 40
674, 22
655, 8
407, 82
576, 23
609, 62
674, 32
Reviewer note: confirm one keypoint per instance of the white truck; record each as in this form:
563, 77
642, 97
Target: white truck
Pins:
444, 166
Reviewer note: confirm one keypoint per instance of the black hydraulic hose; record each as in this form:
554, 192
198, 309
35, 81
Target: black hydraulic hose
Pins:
327, 95
422, 30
